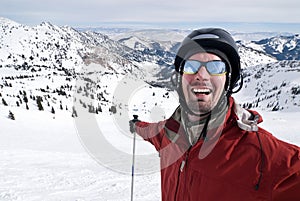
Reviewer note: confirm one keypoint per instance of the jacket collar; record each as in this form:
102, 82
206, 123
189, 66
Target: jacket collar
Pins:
246, 119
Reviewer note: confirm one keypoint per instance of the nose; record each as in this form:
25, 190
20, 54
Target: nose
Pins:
202, 73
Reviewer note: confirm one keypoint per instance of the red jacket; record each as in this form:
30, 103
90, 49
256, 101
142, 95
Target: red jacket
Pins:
244, 163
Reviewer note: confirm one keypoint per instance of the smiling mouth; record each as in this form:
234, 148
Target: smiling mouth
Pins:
201, 91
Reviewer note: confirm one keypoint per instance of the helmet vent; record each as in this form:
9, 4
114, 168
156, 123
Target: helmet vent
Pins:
205, 36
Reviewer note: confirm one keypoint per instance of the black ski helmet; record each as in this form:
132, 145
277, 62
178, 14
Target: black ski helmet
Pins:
216, 41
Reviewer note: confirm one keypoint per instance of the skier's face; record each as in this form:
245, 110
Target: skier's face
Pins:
202, 90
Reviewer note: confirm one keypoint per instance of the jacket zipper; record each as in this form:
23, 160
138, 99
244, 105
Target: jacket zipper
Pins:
182, 165
181, 169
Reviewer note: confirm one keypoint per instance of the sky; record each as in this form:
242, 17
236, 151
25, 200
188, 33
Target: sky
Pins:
260, 14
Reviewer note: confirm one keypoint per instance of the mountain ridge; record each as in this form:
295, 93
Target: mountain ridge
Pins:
53, 63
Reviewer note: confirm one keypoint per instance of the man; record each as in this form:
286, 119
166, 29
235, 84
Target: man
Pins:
211, 149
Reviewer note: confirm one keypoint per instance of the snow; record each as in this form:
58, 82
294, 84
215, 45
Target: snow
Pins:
44, 158
283, 125
51, 164
267, 86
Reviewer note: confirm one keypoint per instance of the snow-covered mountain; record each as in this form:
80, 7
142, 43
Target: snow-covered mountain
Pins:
282, 47
169, 40
252, 57
54, 62
52, 46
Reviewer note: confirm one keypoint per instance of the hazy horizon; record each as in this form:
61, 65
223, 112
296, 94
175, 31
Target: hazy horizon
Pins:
260, 15
232, 26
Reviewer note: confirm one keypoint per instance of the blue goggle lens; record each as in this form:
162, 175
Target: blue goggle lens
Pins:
215, 67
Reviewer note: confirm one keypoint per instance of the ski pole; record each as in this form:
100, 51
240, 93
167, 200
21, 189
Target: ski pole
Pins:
135, 117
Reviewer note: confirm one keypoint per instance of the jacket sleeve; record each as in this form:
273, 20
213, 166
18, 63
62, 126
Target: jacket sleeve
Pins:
152, 132
287, 176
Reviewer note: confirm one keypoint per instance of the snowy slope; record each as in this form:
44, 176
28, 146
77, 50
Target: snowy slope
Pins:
45, 45
51, 164
252, 57
272, 87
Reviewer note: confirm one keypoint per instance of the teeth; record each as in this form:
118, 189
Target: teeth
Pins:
201, 90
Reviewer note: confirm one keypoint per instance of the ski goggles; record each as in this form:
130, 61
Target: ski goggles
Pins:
215, 67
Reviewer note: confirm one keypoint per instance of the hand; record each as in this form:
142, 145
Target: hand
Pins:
132, 123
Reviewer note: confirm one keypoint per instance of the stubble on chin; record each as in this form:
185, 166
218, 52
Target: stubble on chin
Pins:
200, 107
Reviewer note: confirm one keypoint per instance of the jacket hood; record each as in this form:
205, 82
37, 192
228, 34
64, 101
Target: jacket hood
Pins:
246, 119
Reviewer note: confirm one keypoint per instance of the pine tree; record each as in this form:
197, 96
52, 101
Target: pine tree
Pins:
113, 109
25, 99
11, 115
4, 102
74, 112
39, 103
91, 109
52, 110
99, 109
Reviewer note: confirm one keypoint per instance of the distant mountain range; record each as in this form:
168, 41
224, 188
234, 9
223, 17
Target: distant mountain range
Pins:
283, 47
51, 63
